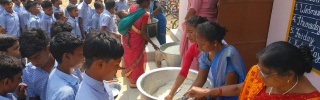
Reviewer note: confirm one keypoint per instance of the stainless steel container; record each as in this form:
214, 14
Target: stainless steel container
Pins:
171, 59
149, 83
152, 27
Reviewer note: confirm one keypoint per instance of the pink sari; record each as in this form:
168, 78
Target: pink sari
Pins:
135, 56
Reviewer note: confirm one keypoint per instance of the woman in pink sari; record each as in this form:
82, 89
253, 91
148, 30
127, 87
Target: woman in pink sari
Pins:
204, 8
134, 52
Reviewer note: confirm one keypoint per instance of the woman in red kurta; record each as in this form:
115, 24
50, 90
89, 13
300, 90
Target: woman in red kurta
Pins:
190, 60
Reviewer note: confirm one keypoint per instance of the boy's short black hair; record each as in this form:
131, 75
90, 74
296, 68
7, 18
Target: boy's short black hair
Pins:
101, 45
46, 4
9, 66
6, 41
30, 4
5, 1
54, 1
71, 7
98, 5
109, 4
58, 27
33, 41
58, 15
64, 42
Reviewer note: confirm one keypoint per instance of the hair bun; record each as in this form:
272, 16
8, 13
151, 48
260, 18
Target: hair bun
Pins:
307, 56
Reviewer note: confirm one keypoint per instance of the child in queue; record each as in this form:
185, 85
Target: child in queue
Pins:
103, 53
67, 49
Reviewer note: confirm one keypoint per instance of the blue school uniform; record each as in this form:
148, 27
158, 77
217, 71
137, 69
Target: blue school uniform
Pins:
107, 19
92, 89
45, 23
10, 22
58, 80
75, 26
34, 21
121, 5
85, 12
95, 21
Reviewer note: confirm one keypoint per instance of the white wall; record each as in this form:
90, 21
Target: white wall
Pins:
279, 20
183, 9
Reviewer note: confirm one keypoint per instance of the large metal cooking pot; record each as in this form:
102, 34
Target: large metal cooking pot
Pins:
152, 27
171, 59
149, 83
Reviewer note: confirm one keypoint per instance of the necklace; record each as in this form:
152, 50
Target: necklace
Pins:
287, 90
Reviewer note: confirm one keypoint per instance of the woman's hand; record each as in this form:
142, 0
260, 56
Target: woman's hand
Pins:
197, 92
168, 97
155, 47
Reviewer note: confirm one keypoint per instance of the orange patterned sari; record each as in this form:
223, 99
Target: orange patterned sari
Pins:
254, 89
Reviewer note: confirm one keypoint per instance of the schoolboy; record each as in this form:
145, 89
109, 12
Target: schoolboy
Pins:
73, 20
67, 50
17, 6
107, 21
46, 19
59, 16
9, 19
96, 17
10, 78
34, 45
85, 16
60, 26
56, 5
103, 53
34, 19
10, 45
71, 2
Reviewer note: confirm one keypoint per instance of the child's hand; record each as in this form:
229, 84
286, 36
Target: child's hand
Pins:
21, 91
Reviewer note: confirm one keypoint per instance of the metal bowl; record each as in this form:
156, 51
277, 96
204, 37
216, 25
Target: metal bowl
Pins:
152, 27
116, 88
149, 83
171, 59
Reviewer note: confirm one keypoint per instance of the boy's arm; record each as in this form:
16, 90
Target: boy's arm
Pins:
81, 22
104, 22
2, 25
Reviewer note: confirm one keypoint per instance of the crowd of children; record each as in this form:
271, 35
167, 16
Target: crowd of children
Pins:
56, 42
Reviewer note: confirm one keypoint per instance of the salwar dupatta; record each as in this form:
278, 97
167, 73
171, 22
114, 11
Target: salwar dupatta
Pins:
135, 56
227, 58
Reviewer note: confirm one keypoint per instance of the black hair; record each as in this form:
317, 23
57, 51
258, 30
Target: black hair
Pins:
110, 4
5, 1
58, 27
98, 5
58, 15
211, 31
101, 45
9, 66
33, 41
283, 56
30, 4
71, 7
195, 20
141, 1
54, 1
46, 4
64, 42
6, 41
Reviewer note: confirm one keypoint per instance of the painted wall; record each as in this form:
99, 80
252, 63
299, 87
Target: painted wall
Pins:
183, 9
279, 20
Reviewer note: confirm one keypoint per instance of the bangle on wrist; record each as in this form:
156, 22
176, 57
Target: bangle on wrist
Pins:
220, 92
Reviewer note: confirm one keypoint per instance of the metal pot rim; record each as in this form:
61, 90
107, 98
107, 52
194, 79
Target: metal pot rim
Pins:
157, 70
